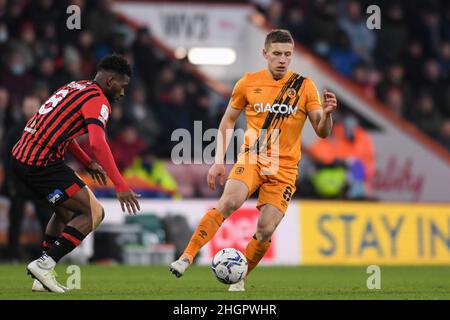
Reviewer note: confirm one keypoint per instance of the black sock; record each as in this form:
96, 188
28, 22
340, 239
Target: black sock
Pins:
69, 240
48, 242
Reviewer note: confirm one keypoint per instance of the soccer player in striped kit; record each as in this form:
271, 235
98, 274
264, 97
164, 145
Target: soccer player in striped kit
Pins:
75, 109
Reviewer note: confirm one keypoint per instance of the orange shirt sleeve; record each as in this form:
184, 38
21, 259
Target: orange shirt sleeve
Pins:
312, 96
239, 97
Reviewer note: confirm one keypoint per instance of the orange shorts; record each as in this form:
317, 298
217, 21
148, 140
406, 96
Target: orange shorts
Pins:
275, 189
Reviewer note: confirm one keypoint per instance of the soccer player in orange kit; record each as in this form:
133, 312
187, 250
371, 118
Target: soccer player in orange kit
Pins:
277, 102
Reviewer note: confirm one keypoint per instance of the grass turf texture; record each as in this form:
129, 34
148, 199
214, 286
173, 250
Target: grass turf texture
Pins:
156, 282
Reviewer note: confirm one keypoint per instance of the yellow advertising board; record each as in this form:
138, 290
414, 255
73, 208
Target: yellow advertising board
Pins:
346, 233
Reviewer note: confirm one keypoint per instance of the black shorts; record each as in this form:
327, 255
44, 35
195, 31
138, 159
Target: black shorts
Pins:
55, 183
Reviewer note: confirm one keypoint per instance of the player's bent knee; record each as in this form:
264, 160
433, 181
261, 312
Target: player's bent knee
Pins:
98, 214
228, 205
65, 217
96, 210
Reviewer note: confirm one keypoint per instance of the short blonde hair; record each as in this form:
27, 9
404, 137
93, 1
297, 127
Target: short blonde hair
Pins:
278, 36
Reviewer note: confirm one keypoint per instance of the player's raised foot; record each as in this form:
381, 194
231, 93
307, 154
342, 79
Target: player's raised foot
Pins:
39, 287
42, 269
239, 286
179, 266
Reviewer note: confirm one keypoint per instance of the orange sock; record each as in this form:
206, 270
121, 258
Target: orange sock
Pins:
204, 232
255, 251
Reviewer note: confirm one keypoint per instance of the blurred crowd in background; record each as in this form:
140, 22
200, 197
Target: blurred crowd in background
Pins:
406, 65
38, 54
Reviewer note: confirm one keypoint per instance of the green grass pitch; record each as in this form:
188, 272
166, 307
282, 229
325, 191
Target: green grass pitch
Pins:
306, 282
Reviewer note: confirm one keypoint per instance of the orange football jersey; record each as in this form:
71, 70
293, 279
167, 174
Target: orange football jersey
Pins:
276, 111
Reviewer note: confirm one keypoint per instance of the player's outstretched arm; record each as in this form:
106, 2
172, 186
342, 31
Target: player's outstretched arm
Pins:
224, 135
93, 168
102, 153
321, 119
79, 154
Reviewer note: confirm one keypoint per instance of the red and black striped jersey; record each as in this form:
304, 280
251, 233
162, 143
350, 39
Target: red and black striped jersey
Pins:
63, 117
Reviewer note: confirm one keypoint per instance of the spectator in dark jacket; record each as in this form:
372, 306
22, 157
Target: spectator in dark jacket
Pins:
15, 189
425, 115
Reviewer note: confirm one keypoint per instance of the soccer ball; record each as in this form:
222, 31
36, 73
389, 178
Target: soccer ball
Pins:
229, 266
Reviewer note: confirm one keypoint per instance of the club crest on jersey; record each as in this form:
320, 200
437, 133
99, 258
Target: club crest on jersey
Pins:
275, 108
291, 93
55, 196
239, 170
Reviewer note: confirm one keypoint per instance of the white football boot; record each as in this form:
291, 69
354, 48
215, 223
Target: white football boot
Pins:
42, 269
238, 286
39, 287
178, 267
